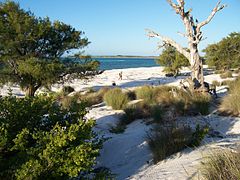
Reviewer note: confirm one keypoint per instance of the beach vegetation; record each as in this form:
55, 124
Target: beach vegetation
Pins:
40, 139
115, 98
224, 54
167, 140
222, 165
32, 49
231, 102
172, 60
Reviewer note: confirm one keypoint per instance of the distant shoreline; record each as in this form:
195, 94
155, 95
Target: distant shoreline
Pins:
126, 57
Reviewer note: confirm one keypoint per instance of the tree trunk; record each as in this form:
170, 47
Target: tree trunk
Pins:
196, 64
30, 91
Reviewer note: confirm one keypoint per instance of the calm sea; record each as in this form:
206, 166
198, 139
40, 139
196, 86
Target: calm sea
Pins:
122, 63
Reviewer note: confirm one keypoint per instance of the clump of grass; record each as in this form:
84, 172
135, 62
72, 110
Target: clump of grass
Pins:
222, 165
231, 102
216, 83
116, 98
165, 141
146, 93
93, 97
227, 74
200, 103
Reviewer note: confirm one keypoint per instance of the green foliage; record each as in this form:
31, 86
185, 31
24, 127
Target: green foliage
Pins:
231, 103
198, 136
221, 165
116, 98
31, 49
41, 139
165, 141
216, 83
224, 54
172, 60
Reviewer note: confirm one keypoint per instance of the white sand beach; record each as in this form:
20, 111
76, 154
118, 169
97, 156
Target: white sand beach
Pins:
127, 155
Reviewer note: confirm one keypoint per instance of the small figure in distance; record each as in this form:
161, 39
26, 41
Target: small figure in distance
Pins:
120, 76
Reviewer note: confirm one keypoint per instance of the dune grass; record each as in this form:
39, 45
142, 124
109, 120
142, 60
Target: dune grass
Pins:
222, 165
116, 99
231, 103
167, 140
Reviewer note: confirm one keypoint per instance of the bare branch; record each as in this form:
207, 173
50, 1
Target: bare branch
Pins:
174, 6
169, 41
217, 8
182, 34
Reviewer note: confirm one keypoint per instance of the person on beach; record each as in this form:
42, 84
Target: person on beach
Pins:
120, 76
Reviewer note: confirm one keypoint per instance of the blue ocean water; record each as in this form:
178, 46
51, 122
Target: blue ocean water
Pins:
122, 63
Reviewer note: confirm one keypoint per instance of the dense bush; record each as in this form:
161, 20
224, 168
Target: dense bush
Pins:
116, 98
172, 60
224, 54
165, 141
40, 139
231, 102
222, 165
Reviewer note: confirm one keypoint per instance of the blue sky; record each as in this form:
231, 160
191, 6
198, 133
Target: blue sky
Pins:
118, 26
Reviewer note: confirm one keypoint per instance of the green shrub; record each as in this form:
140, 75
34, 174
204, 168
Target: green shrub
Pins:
146, 93
116, 98
165, 141
227, 74
231, 103
200, 103
41, 140
222, 165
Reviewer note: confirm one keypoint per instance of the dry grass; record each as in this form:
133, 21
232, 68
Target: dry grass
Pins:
224, 165
231, 103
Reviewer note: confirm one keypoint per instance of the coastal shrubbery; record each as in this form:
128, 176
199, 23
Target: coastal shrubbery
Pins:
39, 139
222, 165
116, 98
182, 102
231, 103
167, 140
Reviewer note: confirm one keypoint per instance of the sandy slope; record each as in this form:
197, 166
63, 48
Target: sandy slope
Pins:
127, 154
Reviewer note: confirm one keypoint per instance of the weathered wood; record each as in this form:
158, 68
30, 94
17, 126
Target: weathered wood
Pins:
193, 34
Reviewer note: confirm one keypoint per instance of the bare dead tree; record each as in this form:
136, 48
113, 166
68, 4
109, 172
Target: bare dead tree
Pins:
193, 34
